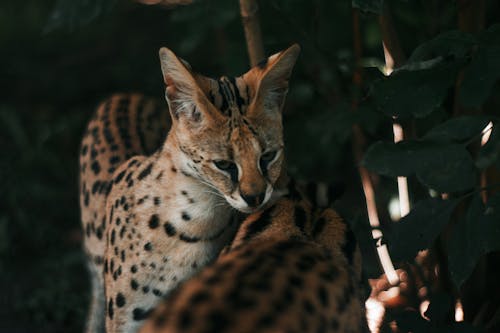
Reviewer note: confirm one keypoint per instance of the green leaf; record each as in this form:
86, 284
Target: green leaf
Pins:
390, 159
459, 129
373, 6
418, 230
444, 168
448, 168
473, 237
450, 43
413, 92
480, 76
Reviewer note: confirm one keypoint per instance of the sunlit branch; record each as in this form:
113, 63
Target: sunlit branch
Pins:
249, 15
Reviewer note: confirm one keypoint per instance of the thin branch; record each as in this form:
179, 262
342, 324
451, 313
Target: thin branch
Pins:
394, 58
249, 15
358, 144
393, 53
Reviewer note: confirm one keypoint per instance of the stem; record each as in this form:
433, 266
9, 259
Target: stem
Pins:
394, 58
249, 16
358, 143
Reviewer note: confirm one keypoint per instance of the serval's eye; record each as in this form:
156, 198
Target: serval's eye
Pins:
269, 156
224, 165
229, 167
265, 159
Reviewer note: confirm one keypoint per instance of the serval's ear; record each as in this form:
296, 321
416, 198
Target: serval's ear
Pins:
185, 98
271, 78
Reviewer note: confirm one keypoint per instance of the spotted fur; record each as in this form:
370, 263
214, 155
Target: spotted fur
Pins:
288, 269
156, 207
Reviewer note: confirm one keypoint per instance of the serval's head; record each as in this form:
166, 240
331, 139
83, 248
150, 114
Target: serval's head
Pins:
229, 130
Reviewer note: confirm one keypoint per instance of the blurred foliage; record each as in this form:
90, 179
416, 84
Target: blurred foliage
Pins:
61, 57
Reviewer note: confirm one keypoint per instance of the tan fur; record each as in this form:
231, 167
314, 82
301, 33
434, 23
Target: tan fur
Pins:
168, 214
289, 276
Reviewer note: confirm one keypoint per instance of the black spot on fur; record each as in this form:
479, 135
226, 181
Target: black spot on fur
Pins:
296, 281
133, 269
330, 275
169, 229
306, 263
154, 221
133, 284
185, 321
98, 233
140, 314
185, 216
217, 321
300, 218
112, 237
308, 307
157, 201
114, 159
110, 308
349, 246
156, 292
122, 232
259, 225
96, 167
201, 296
148, 246
188, 239
84, 150
323, 296
120, 300
96, 186
265, 321
86, 199
145, 289
318, 227
119, 177
144, 173
93, 153
212, 280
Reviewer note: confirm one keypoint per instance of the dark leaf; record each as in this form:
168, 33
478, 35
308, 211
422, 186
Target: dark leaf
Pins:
72, 14
392, 159
473, 237
418, 230
480, 76
447, 168
450, 43
459, 129
444, 168
413, 92
373, 6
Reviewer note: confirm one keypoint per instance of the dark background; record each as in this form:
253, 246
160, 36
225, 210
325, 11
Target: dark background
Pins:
59, 59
